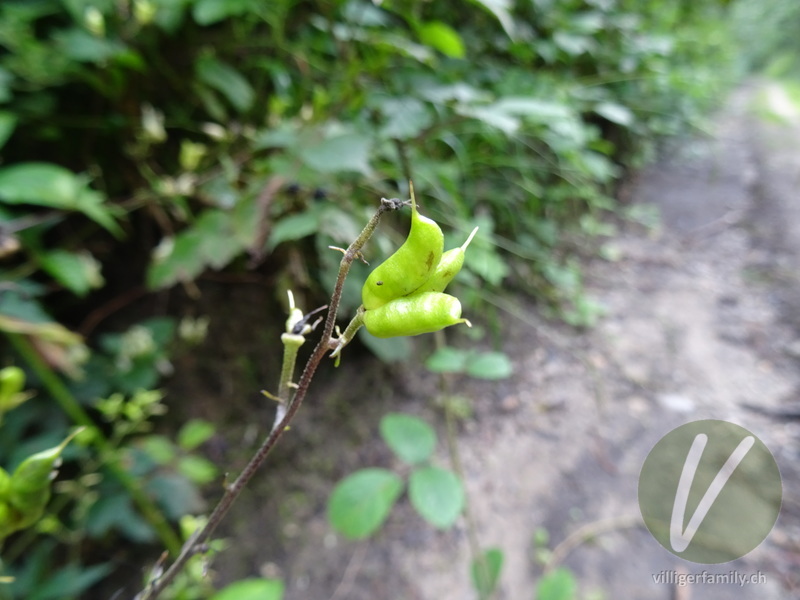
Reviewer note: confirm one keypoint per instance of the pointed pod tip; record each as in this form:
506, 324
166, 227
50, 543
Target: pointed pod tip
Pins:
469, 239
75, 433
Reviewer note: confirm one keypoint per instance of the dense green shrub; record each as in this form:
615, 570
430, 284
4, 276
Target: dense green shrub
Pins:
766, 31
189, 123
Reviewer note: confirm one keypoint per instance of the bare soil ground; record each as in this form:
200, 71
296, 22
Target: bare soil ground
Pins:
702, 321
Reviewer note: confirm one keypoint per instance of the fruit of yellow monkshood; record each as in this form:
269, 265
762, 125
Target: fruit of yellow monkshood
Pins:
412, 315
447, 269
410, 266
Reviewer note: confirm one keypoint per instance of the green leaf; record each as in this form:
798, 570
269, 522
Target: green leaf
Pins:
194, 433
492, 116
437, 495
616, 113
361, 502
227, 81
116, 511
447, 360
218, 242
489, 365
388, 350
573, 44
410, 438
93, 205
405, 117
461, 92
46, 184
8, 122
501, 9
159, 448
542, 111
197, 469
175, 259
6, 78
207, 12
484, 260
210, 242
251, 589
176, 494
558, 585
72, 581
283, 135
77, 271
82, 46
442, 37
293, 227
348, 152
505, 113
485, 572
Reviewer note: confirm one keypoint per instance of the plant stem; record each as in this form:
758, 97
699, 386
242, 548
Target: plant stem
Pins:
196, 542
59, 392
451, 435
349, 333
291, 344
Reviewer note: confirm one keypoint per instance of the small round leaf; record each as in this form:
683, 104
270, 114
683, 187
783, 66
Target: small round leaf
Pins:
485, 571
251, 589
437, 495
410, 438
197, 469
361, 502
489, 365
447, 360
194, 433
443, 38
558, 585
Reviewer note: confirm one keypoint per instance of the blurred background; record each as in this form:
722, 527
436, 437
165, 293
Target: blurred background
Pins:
169, 169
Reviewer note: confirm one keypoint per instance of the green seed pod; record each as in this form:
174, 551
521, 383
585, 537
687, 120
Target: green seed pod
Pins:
12, 380
447, 269
29, 489
413, 315
410, 266
7, 519
5, 483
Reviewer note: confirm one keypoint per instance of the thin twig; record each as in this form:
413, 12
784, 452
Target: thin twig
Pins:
197, 541
350, 573
478, 558
451, 436
587, 532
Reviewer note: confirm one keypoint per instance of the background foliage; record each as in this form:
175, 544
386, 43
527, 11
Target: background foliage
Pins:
148, 143
765, 30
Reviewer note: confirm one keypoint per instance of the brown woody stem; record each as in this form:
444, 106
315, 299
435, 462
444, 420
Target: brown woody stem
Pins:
197, 542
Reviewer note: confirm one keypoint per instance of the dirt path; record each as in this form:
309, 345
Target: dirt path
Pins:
703, 321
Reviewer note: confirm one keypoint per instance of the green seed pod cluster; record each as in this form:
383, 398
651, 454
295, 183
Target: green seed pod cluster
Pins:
404, 295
